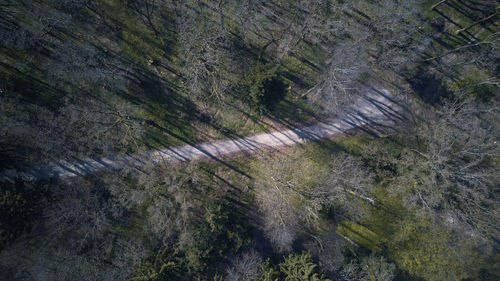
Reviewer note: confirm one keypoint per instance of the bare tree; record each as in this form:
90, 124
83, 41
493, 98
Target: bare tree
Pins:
91, 128
305, 20
339, 83
292, 189
380, 34
173, 207
283, 198
377, 268
246, 267
79, 64
370, 268
289, 23
328, 247
450, 168
247, 14
77, 231
205, 50
96, 128
73, 238
281, 218
393, 26
352, 272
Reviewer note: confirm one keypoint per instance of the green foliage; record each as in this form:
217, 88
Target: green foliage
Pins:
430, 252
266, 86
300, 267
354, 144
18, 207
474, 83
295, 267
418, 246
163, 267
269, 272
368, 268
220, 232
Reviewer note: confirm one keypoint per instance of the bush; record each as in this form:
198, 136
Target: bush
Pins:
295, 267
222, 231
266, 86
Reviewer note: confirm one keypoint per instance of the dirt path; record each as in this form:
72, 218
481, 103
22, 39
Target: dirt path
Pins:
376, 108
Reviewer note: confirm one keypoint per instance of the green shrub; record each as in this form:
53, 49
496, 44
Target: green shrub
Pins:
222, 231
295, 267
266, 86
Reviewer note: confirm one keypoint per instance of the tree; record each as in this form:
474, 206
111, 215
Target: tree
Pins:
302, 21
370, 268
279, 28
339, 83
81, 128
294, 267
449, 167
246, 267
281, 187
352, 272
162, 267
378, 269
221, 232
146, 10
392, 27
328, 247
372, 35
73, 237
300, 267
207, 64
266, 86
345, 176
79, 64
292, 189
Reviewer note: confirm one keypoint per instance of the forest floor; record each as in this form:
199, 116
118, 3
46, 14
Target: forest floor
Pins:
374, 112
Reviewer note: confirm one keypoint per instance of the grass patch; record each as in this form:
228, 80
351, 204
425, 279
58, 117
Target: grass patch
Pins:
354, 144
360, 235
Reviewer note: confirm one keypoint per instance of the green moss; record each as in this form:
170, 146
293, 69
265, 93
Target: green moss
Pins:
429, 252
360, 235
418, 246
354, 144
